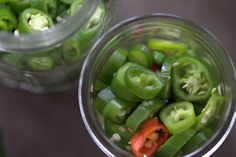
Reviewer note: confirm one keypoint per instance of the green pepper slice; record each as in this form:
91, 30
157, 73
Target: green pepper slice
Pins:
119, 86
91, 28
7, 19
14, 59
47, 6
118, 133
178, 117
117, 110
140, 54
177, 141
40, 62
191, 79
103, 98
145, 110
19, 6
116, 60
166, 75
33, 20
168, 47
7, 1
144, 83
67, 1
75, 6
71, 51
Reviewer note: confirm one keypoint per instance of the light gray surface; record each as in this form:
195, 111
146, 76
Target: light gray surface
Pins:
49, 125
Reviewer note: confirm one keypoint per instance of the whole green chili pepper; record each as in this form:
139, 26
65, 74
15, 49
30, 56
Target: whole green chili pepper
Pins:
34, 20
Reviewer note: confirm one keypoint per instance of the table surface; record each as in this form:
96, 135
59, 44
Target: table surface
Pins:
49, 125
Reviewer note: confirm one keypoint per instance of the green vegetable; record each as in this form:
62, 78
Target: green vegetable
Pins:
33, 20
168, 47
19, 6
191, 79
119, 86
117, 110
103, 98
178, 117
7, 19
140, 54
145, 110
116, 60
144, 83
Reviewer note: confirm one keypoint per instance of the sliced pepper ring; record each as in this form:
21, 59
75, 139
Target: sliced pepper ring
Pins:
191, 79
143, 82
178, 117
149, 137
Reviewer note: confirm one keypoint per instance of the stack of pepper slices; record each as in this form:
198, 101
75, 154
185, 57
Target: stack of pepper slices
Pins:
156, 99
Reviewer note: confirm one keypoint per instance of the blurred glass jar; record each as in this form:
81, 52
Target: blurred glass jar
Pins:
137, 30
51, 60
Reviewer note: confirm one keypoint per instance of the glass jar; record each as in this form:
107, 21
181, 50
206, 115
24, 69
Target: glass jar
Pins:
137, 29
51, 60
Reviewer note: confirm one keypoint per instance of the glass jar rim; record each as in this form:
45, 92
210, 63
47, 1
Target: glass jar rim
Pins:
87, 68
43, 40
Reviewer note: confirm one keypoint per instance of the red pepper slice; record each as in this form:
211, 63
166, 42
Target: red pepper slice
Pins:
149, 137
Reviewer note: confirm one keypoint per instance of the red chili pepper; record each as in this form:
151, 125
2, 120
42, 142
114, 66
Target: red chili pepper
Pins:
155, 67
149, 137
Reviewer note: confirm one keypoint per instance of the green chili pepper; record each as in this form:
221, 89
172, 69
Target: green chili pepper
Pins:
14, 59
145, 110
166, 71
40, 62
19, 6
119, 134
177, 141
117, 110
91, 28
103, 98
47, 6
143, 82
116, 60
168, 47
75, 6
119, 86
198, 139
140, 54
178, 117
158, 57
33, 20
71, 51
191, 79
99, 86
7, 19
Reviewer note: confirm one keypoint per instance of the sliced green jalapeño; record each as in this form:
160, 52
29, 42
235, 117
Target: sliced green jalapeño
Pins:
178, 117
191, 79
143, 82
7, 19
34, 20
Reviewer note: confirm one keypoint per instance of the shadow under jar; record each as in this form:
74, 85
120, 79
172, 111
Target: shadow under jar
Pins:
139, 30
50, 60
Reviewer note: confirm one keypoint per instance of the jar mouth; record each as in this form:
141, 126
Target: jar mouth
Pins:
43, 40
85, 95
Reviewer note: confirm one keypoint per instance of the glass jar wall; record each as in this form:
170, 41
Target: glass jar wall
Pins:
51, 60
138, 30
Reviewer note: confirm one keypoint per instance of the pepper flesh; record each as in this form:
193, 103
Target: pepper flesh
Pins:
149, 137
